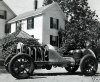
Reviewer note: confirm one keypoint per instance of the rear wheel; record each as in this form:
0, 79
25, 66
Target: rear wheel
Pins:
21, 66
88, 65
7, 60
72, 69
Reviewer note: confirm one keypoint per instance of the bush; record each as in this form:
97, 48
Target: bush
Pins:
11, 46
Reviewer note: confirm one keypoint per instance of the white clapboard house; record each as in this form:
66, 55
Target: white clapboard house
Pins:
6, 14
42, 23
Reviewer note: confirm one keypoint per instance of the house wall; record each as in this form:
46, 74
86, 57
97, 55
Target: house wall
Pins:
9, 16
47, 31
3, 6
13, 27
42, 30
37, 31
2, 29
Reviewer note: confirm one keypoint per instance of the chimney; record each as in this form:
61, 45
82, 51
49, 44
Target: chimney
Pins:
35, 4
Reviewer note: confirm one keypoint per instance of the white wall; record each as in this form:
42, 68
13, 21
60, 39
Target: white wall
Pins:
2, 29
13, 27
47, 31
37, 31
38, 26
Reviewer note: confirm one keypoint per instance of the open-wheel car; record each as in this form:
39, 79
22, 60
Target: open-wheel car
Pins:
22, 65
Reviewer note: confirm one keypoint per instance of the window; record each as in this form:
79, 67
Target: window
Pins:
18, 26
30, 23
54, 40
3, 14
54, 23
8, 28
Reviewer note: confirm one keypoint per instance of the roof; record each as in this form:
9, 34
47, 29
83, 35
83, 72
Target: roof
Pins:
18, 34
33, 13
30, 13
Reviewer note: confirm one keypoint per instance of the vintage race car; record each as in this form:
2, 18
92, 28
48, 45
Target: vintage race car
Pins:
22, 65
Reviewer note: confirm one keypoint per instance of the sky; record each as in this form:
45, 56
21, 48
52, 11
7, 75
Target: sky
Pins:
95, 6
21, 6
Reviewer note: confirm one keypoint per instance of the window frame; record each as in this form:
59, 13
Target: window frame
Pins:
54, 23
18, 25
54, 40
30, 25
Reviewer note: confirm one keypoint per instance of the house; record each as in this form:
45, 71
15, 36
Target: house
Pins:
43, 23
6, 14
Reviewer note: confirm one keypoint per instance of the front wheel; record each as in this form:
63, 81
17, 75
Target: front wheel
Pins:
88, 65
21, 66
72, 69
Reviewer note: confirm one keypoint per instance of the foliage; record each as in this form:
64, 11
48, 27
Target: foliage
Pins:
81, 24
9, 45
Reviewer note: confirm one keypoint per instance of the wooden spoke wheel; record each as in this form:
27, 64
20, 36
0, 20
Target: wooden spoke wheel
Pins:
88, 65
21, 66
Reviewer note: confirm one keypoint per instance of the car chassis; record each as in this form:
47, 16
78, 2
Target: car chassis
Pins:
22, 65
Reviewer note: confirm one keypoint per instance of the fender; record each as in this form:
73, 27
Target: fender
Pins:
89, 51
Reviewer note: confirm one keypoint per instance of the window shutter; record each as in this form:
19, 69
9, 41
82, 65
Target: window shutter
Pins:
7, 28
57, 23
57, 40
16, 27
5, 14
32, 22
51, 39
27, 23
51, 22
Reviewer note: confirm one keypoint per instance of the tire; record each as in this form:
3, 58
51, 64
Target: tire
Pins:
7, 60
88, 65
72, 68
21, 66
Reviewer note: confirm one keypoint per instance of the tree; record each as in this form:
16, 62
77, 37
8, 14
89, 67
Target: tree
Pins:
81, 24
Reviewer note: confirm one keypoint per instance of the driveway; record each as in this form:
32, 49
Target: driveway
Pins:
54, 75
